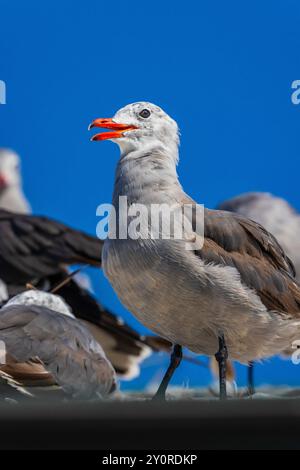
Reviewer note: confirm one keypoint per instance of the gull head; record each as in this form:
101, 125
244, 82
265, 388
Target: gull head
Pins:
41, 299
137, 126
10, 175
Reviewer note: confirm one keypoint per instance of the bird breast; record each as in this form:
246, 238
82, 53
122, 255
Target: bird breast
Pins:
177, 296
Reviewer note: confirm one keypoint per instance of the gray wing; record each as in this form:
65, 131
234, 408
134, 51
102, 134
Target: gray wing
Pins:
124, 347
273, 213
63, 344
34, 247
233, 240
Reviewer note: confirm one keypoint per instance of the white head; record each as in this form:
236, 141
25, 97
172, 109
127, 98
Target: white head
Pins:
42, 299
10, 175
140, 126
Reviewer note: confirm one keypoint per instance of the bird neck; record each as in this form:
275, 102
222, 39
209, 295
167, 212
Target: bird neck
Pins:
146, 176
13, 199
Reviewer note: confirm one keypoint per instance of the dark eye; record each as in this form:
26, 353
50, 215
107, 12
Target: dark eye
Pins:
145, 113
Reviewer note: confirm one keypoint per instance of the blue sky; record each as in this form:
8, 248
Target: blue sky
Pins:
223, 70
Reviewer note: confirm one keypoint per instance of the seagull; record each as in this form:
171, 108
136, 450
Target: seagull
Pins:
40, 325
235, 297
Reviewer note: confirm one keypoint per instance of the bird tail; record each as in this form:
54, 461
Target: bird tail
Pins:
27, 374
230, 372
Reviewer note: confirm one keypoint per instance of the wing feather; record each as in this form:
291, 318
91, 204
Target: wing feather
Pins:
63, 344
33, 247
233, 240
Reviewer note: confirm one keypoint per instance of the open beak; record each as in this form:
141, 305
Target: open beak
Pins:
3, 181
117, 129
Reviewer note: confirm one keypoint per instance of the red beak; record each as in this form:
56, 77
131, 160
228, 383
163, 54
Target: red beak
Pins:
3, 182
108, 123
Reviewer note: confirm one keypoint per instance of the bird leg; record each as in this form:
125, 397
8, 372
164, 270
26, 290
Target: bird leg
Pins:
176, 357
251, 388
221, 357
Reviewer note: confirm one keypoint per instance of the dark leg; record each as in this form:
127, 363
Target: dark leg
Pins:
221, 357
251, 388
176, 357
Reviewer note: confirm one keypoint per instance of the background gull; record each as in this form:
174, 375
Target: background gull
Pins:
276, 215
37, 324
237, 294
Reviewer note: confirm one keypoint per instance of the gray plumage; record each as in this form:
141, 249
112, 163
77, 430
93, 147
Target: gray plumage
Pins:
33, 247
273, 213
64, 345
240, 284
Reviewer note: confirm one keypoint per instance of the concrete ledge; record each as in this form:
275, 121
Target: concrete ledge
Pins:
234, 424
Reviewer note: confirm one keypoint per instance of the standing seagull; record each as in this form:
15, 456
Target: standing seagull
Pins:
237, 293
40, 325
